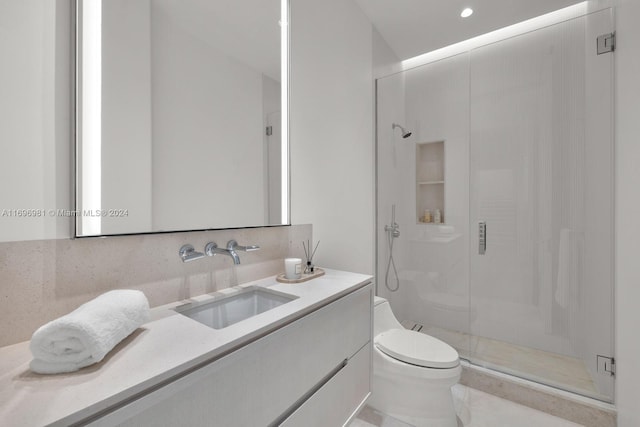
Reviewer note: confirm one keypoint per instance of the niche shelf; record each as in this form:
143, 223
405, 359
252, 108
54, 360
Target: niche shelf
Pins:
430, 181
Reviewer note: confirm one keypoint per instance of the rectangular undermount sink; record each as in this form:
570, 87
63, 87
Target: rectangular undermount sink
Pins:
227, 310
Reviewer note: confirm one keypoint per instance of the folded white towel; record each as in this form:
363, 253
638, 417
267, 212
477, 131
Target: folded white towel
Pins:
85, 336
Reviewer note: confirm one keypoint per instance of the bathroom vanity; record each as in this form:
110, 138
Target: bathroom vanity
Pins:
304, 362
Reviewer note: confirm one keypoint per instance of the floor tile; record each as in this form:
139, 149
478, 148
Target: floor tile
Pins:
554, 369
478, 409
475, 409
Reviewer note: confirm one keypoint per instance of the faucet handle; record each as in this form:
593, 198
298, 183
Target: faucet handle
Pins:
210, 248
188, 253
233, 245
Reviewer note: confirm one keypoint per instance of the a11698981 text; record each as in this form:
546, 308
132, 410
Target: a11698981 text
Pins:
39, 213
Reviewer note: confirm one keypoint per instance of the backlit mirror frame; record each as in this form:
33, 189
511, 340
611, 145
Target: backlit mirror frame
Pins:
87, 145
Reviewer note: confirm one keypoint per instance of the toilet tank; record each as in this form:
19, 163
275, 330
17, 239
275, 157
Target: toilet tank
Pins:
383, 317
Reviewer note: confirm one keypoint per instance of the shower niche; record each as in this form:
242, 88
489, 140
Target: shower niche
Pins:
430, 182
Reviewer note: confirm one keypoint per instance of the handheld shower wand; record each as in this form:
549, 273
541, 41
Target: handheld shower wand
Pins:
393, 232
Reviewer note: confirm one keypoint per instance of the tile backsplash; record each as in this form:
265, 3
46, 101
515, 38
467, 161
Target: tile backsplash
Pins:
44, 279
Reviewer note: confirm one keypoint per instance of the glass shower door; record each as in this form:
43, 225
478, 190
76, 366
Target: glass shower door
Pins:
541, 182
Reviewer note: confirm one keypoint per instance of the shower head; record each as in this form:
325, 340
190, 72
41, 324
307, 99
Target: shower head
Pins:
405, 133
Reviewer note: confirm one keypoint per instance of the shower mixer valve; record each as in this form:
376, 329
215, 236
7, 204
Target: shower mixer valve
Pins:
394, 228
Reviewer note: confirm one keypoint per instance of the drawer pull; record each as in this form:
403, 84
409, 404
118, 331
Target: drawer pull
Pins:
298, 403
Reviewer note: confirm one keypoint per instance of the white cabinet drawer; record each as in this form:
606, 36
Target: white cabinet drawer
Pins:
335, 402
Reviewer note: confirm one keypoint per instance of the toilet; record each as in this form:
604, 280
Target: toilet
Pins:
412, 372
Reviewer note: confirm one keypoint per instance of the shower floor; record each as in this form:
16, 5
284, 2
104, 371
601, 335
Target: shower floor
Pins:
564, 372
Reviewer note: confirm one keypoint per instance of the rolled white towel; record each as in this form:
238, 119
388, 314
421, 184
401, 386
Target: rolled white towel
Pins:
85, 336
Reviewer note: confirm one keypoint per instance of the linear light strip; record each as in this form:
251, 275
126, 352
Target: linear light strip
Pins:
523, 27
284, 70
91, 116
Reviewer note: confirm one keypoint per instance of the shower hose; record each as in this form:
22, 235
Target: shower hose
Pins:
391, 264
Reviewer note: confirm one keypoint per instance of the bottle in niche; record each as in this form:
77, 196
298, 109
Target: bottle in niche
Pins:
437, 217
427, 216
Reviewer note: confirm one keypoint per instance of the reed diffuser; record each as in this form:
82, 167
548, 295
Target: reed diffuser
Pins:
309, 268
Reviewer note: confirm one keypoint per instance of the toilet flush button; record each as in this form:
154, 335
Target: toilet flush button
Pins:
417, 349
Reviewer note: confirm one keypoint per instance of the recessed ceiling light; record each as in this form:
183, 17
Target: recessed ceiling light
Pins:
467, 12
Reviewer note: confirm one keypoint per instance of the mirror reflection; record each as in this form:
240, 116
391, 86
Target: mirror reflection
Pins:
179, 116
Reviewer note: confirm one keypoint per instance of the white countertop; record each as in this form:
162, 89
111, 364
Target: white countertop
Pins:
167, 346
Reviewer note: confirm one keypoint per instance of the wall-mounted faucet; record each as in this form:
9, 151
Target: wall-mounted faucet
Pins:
188, 253
232, 246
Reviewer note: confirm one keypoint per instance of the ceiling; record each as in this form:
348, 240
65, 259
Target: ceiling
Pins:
246, 30
414, 27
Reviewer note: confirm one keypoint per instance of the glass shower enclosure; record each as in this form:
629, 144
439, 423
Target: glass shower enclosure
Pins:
504, 198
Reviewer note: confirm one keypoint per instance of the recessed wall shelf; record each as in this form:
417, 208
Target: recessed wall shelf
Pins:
430, 182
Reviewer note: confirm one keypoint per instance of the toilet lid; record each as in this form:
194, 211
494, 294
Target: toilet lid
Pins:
417, 349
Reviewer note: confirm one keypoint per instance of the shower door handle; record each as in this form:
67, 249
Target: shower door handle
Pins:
482, 237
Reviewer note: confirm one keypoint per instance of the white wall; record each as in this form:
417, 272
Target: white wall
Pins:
332, 130
385, 61
208, 103
35, 137
272, 176
627, 249
126, 114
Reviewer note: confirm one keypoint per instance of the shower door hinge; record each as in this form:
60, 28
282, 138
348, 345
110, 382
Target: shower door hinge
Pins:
606, 43
269, 130
606, 365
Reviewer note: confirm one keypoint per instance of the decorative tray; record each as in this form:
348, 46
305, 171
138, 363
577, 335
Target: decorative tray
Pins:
305, 277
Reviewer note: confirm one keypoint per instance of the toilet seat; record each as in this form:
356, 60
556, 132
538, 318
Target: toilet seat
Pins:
417, 349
